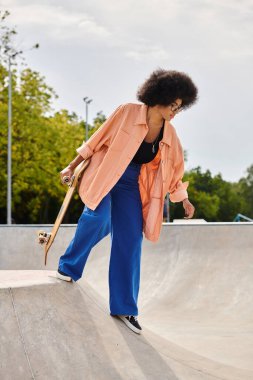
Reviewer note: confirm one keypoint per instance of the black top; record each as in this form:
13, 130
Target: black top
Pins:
145, 154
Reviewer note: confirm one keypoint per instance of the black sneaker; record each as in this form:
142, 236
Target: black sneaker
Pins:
63, 276
131, 322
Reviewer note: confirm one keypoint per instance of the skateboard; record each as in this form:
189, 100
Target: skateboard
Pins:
47, 238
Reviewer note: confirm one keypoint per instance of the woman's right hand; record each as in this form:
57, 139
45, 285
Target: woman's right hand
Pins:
66, 174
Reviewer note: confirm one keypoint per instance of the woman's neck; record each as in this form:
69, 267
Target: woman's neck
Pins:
154, 118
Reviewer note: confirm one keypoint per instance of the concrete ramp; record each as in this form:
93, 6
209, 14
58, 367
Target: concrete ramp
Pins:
195, 307
54, 330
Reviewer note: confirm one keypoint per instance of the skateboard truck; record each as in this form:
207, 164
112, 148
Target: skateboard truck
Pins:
43, 237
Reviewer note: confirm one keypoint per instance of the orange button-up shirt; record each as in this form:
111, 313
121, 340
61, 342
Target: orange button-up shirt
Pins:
111, 149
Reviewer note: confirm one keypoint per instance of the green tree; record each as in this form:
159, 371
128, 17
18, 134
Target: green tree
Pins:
215, 199
42, 146
244, 189
200, 194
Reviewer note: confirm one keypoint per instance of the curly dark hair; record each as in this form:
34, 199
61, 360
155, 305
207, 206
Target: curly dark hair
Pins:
163, 87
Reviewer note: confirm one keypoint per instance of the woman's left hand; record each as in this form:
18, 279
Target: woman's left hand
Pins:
189, 209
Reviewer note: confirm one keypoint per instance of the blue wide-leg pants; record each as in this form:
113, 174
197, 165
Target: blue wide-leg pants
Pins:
118, 213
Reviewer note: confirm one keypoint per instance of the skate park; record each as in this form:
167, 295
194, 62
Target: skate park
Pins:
170, 84
195, 308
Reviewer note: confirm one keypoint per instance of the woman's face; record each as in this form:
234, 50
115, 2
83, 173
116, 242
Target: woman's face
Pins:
168, 112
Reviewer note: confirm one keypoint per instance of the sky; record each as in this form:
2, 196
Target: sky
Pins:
106, 49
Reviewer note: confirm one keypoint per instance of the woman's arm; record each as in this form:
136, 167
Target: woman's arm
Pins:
100, 137
69, 170
178, 189
189, 208
73, 164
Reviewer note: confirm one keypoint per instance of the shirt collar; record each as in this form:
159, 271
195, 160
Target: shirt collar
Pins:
141, 119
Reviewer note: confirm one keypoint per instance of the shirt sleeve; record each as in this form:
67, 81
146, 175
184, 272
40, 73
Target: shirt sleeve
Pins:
102, 135
178, 189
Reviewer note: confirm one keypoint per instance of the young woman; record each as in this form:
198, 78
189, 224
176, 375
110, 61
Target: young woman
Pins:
135, 159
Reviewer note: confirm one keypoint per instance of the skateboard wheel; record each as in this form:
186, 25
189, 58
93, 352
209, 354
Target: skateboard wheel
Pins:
43, 237
66, 179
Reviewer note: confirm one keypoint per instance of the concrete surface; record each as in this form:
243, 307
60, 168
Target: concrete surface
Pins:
195, 307
189, 221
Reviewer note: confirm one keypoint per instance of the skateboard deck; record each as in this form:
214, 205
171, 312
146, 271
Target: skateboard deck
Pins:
47, 238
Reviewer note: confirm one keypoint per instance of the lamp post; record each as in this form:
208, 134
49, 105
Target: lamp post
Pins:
167, 208
10, 55
9, 153
87, 102
9, 157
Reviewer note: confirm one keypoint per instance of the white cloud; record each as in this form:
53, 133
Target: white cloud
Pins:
143, 53
59, 23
